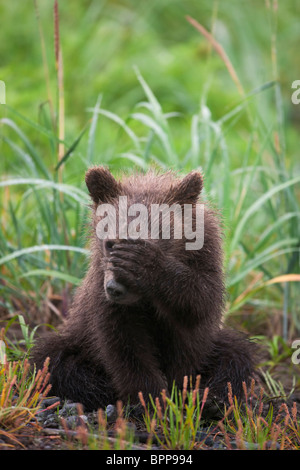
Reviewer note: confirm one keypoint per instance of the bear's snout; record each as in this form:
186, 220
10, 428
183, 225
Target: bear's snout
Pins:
115, 290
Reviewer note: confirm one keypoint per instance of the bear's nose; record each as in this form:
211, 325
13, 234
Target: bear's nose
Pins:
114, 289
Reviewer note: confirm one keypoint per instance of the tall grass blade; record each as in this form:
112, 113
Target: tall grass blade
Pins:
256, 206
33, 153
92, 131
52, 273
76, 193
38, 248
72, 148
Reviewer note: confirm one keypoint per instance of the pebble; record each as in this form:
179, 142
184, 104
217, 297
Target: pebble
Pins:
68, 409
111, 413
203, 436
49, 401
69, 412
52, 422
73, 422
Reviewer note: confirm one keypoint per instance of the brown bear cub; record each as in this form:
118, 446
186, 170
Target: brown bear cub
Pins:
149, 310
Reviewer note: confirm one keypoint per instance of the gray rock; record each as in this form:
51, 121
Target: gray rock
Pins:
69, 409
73, 421
49, 401
52, 422
111, 413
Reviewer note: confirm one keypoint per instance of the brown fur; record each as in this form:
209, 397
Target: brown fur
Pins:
169, 322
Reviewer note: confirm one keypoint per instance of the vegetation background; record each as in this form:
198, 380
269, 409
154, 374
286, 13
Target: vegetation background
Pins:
134, 84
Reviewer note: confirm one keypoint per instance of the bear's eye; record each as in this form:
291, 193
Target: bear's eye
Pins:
108, 245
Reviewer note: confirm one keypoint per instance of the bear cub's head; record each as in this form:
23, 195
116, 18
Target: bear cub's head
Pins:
137, 222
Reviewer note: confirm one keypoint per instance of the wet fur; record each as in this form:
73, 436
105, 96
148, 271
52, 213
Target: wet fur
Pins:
106, 351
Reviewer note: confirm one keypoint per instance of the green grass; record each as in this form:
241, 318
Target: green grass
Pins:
43, 227
175, 420
254, 429
21, 393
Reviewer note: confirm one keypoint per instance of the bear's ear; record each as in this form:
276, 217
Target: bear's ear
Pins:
189, 188
101, 184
